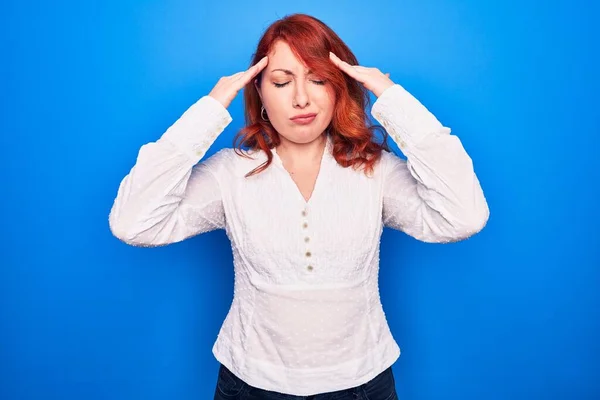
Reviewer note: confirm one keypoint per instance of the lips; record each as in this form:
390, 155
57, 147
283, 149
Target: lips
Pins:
304, 118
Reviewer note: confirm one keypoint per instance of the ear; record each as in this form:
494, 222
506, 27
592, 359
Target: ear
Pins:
257, 89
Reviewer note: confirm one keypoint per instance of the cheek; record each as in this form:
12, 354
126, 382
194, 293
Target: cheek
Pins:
327, 104
274, 101
326, 99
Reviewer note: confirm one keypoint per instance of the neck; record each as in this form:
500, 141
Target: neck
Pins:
302, 154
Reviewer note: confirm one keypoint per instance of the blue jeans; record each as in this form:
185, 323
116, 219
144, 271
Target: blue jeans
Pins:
230, 387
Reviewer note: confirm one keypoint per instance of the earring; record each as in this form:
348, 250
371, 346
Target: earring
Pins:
262, 109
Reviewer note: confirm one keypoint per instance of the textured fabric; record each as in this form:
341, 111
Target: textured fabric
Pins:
306, 316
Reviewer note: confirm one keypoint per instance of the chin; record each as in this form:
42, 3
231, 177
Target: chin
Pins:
302, 138
310, 136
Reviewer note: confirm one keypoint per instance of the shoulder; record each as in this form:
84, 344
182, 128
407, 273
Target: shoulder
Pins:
390, 161
232, 162
390, 157
385, 157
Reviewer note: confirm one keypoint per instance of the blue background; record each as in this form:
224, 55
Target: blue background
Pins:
512, 313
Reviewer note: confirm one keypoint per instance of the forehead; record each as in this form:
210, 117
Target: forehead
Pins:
281, 56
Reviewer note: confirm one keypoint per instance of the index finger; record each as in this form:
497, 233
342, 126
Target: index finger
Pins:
343, 65
255, 69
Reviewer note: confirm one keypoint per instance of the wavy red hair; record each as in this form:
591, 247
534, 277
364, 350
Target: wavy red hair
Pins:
311, 40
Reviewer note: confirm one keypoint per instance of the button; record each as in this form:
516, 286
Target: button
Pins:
310, 268
305, 225
304, 213
306, 239
308, 254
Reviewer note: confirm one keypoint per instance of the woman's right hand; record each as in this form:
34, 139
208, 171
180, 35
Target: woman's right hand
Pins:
228, 86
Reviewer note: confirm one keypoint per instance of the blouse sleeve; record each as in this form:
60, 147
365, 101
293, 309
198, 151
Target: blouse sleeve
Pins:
433, 195
168, 196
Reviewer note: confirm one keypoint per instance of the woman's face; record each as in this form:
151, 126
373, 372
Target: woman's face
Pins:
288, 89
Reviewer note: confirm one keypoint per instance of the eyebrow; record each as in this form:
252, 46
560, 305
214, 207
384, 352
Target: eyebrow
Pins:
288, 72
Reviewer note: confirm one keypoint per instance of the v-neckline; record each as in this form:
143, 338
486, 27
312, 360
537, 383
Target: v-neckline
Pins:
324, 156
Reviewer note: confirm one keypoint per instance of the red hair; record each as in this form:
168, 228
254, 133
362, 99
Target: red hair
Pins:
311, 41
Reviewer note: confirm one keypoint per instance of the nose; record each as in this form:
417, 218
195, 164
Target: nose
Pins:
301, 96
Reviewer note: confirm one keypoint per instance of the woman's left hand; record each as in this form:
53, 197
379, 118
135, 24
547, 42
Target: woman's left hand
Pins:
371, 78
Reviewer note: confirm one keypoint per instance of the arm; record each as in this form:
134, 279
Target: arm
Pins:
167, 196
433, 196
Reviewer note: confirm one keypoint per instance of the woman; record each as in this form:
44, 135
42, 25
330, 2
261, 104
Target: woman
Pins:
303, 198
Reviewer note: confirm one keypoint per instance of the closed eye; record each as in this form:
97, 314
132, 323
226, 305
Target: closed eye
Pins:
284, 84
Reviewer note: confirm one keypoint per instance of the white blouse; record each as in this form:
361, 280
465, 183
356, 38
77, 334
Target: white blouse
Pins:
306, 316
